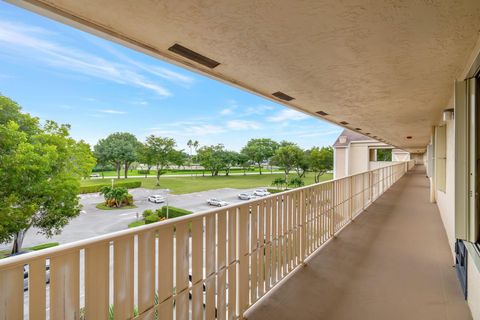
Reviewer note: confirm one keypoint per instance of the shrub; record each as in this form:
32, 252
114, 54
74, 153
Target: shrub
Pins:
151, 219
98, 187
173, 212
275, 190
147, 213
143, 171
296, 182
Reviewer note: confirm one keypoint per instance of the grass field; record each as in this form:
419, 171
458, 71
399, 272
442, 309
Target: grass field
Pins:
6, 253
178, 172
181, 185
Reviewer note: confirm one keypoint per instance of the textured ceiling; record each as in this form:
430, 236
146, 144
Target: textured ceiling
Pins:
385, 66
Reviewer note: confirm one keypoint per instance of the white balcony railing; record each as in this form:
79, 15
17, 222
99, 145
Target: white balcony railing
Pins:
207, 265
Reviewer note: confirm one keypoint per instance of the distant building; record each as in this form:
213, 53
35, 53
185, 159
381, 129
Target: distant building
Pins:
355, 153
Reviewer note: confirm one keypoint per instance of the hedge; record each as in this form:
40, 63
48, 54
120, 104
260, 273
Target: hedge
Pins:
272, 191
97, 187
173, 212
151, 219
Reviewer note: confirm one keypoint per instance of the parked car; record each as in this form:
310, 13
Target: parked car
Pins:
156, 198
261, 193
246, 196
25, 275
217, 202
94, 175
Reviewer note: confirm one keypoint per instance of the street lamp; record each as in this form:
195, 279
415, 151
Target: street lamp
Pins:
166, 199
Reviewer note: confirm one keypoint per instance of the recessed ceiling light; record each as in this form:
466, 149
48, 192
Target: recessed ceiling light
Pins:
409, 137
282, 96
344, 122
192, 55
358, 129
322, 113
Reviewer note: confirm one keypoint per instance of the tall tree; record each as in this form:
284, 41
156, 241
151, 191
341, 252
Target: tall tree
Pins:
145, 157
40, 172
120, 149
286, 157
244, 162
321, 161
212, 158
260, 150
162, 151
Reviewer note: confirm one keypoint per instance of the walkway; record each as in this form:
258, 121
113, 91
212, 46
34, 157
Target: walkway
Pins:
393, 262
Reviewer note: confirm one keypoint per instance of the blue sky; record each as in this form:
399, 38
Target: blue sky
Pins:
59, 73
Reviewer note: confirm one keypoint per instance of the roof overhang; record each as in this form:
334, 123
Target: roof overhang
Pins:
384, 67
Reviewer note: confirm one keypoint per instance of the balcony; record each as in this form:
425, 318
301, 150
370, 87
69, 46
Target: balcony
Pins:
393, 260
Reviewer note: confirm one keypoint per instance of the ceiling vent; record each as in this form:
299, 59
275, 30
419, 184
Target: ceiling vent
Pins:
358, 129
322, 113
192, 55
282, 96
344, 123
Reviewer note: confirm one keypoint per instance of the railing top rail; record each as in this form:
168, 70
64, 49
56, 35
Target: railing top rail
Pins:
81, 244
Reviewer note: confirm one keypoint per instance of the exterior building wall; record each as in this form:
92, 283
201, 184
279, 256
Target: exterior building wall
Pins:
446, 200
400, 155
339, 166
358, 158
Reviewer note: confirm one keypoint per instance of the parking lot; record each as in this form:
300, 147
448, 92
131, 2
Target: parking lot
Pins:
94, 222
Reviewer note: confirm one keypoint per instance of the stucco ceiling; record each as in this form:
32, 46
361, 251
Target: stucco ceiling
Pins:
385, 66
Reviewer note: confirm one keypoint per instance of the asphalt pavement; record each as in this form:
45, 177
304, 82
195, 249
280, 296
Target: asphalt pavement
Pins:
94, 222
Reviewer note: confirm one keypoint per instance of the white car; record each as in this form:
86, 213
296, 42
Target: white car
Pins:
156, 198
217, 202
261, 193
246, 196
94, 175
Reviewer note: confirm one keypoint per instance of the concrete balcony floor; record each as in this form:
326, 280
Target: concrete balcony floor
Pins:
392, 262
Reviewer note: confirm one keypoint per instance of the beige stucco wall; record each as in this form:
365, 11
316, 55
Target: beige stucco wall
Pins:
358, 158
339, 163
446, 200
400, 156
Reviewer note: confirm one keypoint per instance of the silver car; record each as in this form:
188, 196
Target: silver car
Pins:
217, 203
246, 196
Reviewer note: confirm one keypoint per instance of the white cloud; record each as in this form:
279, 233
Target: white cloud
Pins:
287, 115
187, 129
261, 109
226, 111
25, 41
112, 111
243, 125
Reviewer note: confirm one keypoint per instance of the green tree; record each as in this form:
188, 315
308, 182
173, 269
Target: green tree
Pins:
145, 157
230, 159
244, 162
321, 161
286, 157
384, 154
212, 158
40, 172
260, 150
162, 151
120, 149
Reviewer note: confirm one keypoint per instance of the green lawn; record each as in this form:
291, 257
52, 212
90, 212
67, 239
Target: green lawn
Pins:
177, 172
6, 253
181, 185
